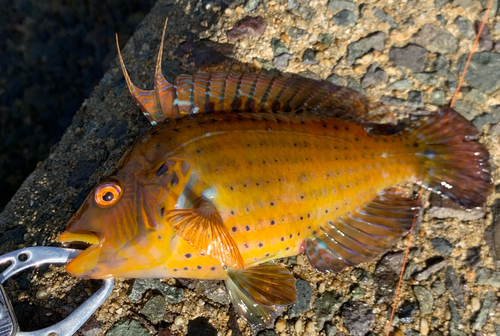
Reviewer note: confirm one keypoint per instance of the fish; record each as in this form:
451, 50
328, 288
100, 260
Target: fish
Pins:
241, 169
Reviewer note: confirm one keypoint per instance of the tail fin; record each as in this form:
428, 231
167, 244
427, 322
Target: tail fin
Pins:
454, 164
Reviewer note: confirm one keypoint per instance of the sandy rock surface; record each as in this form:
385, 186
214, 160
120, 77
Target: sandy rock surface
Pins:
406, 54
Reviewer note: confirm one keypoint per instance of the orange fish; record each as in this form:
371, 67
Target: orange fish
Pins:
252, 168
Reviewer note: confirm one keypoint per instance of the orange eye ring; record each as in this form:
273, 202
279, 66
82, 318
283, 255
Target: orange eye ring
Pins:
107, 194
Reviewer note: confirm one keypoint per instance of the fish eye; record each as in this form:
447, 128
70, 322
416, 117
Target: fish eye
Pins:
107, 194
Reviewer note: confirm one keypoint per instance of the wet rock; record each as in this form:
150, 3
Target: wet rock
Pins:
375, 41
140, 286
213, 290
483, 72
281, 61
440, 3
248, 26
481, 317
381, 15
425, 299
437, 97
400, 85
454, 312
201, 326
438, 287
357, 317
415, 98
251, 5
410, 56
309, 57
453, 286
388, 100
325, 306
307, 13
82, 173
374, 76
464, 27
386, 276
435, 39
473, 257
442, 246
345, 18
334, 79
341, 4
488, 277
296, 34
304, 293
485, 42
154, 309
406, 312
127, 327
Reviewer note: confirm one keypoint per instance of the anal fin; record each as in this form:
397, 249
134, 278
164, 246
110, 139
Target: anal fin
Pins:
258, 291
202, 227
363, 235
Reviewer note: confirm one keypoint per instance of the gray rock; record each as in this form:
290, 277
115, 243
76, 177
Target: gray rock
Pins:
438, 287
279, 47
410, 56
464, 27
442, 246
330, 330
486, 307
465, 108
425, 299
441, 66
415, 98
454, 312
127, 327
494, 7
267, 333
375, 41
140, 286
463, 3
213, 290
335, 79
488, 277
455, 330
483, 72
485, 42
325, 306
374, 76
381, 15
309, 57
388, 100
296, 34
281, 61
325, 39
475, 96
497, 328
154, 309
437, 97
304, 293
357, 317
459, 214
426, 78
357, 293
426, 273
345, 18
453, 286
410, 269
483, 119
386, 276
248, 26
473, 257
435, 39
293, 4
354, 85
307, 13
400, 85
441, 19
440, 3
492, 233
251, 5
451, 81
341, 4
364, 278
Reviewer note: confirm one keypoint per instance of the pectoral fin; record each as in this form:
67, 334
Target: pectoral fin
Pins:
258, 291
202, 227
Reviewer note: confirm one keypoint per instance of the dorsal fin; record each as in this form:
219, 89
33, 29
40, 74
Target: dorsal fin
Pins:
363, 235
202, 227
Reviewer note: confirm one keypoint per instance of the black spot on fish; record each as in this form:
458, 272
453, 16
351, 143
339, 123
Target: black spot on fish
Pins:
282, 238
247, 228
175, 269
188, 255
272, 204
301, 218
198, 267
159, 237
246, 245
287, 248
415, 144
272, 222
231, 188
163, 168
162, 211
326, 211
175, 180
260, 245
267, 254
234, 229
212, 268
232, 212
291, 235
185, 268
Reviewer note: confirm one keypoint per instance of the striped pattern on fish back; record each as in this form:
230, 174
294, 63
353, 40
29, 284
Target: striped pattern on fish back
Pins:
215, 92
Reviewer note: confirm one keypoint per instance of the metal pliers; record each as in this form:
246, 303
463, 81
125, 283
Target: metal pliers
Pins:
33, 257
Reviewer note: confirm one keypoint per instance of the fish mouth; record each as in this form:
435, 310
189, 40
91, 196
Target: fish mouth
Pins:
86, 263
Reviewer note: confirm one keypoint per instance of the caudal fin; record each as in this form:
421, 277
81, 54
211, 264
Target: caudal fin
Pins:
454, 164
